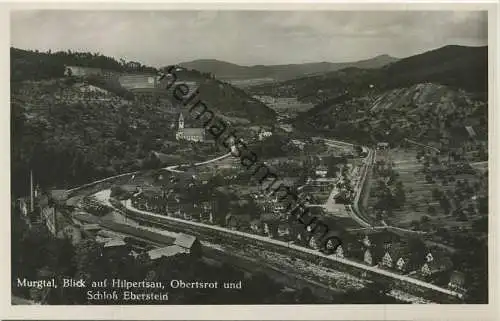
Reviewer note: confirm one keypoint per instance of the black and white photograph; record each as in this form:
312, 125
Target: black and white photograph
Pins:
249, 157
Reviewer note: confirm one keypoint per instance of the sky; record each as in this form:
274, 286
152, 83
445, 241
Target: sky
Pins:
159, 38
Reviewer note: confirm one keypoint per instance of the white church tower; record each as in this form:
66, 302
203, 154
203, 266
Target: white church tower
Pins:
181, 121
180, 129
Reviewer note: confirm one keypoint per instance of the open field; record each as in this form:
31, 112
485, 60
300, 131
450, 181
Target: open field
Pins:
420, 198
246, 83
417, 190
289, 105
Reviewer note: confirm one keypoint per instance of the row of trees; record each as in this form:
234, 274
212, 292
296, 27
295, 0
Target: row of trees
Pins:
35, 65
389, 191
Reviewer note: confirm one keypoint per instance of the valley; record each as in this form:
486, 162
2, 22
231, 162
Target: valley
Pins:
392, 158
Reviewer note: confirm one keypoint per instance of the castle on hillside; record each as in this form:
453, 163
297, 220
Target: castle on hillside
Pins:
189, 134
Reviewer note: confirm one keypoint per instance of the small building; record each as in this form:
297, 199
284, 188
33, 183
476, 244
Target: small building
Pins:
314, 242
283, 229
471, 132
339, 252
429, 257
270, 223
298, 143
367, 257
321, 171
382, 146
263, 134
256, 226
441, 264
188, 243
457, 281
397, 258
91, 227
168, 251
114, 243
78, 71
231, 222
113, 246
207, 211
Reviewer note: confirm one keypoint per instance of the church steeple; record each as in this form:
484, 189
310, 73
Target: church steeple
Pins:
181, 121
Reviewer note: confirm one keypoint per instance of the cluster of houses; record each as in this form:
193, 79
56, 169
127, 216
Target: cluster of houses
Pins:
65, 219
382, 249
50, 209
123, 240
174, 204
92, 205
387, 250
264, 133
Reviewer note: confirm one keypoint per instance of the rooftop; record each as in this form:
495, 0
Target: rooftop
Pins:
114, 243
59, 194
184, 240
167, 251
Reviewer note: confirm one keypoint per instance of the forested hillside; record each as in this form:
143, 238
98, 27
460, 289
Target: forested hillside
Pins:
455, 66
35, 65
71, 130
429, 113
226, 70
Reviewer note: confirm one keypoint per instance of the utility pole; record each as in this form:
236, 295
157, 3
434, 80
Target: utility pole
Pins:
32, 193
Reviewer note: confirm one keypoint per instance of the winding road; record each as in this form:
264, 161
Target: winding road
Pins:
356, 214
354, 210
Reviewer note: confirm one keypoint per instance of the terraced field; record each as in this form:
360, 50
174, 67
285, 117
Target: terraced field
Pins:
420, 198
418, 191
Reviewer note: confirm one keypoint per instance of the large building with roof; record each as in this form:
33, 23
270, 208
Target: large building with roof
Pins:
193, 134
183, 244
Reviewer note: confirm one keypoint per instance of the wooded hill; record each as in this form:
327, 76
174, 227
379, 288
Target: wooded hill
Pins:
226, 70
455, 66
69, 135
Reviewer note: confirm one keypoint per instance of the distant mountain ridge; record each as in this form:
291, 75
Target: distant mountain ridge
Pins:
455, 66
226, 70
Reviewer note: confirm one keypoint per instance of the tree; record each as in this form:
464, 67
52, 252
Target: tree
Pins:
436, 193
399, 195
445, 204
415, 224
425, 219
88, 259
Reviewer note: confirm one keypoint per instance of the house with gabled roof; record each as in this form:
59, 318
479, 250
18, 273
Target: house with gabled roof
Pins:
384, 238
457, 281
440, 264
256, 226
188, 243
396, 257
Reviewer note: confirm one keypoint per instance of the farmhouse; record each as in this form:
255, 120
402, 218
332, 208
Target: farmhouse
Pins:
441, 264
457, 281
396, 257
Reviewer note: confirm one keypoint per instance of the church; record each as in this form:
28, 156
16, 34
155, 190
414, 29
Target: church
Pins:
189, 134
